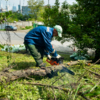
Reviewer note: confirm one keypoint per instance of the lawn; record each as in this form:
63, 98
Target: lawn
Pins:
85, 84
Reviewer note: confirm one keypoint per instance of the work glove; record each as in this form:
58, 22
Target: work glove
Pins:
48, 57
58, 56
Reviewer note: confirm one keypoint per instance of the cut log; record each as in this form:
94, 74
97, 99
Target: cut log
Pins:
49, 71
10, 76
77, 62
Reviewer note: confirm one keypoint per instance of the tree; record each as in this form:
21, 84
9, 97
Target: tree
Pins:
85, 27
35, 7
2, 17
50, 14
47, 15
57, 15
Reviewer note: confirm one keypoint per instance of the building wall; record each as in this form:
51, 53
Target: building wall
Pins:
14, 9
19, 9
25, 10
2, 10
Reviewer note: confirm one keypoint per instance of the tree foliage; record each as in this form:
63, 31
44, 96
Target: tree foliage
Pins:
36, 7
14, 16
86, 24
56, 15
81, 22
2, 17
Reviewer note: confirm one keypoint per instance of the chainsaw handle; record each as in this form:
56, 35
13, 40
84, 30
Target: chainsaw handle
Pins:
48, 60
52, 62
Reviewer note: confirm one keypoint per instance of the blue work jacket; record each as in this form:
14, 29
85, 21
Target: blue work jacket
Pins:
40, 36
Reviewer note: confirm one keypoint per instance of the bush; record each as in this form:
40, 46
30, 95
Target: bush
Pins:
28, 27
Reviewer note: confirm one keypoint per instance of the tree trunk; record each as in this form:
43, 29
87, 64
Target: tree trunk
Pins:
50, 71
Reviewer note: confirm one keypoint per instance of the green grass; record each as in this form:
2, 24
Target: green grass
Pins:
26, 27
2, 29
15, 90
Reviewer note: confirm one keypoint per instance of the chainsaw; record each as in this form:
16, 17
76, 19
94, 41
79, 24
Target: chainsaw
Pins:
55, 61
58, 61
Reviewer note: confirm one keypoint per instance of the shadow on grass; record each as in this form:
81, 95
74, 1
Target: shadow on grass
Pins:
65, 55
23, 65
34, 77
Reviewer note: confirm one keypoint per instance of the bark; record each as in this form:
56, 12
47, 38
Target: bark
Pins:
48, 71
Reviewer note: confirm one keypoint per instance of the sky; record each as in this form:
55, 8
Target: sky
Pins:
12, 3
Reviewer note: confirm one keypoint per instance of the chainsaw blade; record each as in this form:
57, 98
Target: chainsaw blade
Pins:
65, 69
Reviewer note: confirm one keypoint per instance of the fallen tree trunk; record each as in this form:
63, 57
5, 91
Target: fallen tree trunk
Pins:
77, 62
10, 76
49, 71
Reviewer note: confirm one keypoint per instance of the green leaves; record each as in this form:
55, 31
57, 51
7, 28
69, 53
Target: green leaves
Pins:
94, 93
36, 7
1, 46
55, 15
86, 22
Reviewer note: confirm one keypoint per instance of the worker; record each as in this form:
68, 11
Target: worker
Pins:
38, 41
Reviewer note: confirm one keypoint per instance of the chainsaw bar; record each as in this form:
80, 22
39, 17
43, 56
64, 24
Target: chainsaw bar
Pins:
56, 61
65, 69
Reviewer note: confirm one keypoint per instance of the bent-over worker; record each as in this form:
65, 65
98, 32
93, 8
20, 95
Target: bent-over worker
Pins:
38, 40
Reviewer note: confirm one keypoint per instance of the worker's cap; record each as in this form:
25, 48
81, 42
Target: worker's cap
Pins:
59, 30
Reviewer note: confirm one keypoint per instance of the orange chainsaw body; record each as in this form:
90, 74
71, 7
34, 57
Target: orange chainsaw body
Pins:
55, 61
52, 62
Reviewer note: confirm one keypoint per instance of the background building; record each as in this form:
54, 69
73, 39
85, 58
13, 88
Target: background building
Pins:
25, 10
6, 8
2, 10
19, 9
14, 9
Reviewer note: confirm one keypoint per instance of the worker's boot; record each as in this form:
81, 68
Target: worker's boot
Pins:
41, 65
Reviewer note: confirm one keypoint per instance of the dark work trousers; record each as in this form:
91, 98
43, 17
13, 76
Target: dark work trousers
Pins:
37, 52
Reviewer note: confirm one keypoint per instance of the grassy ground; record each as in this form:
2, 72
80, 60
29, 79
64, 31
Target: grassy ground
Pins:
82, 82
26, 27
